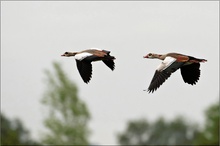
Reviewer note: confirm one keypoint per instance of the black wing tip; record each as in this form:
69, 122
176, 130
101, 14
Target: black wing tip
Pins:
192, 83
112, 68
158, 79
113, 57
86, 81
149, 90
110, 63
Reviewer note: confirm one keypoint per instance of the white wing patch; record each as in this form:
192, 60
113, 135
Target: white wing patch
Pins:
81, 56
166, 63
96, 49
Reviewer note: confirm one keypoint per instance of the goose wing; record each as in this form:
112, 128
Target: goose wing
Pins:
110, 64
85, 70
190, 73
163, 72
103, 55
158, 79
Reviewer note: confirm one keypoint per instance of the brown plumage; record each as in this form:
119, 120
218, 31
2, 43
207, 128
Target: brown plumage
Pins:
84, 59
188, 65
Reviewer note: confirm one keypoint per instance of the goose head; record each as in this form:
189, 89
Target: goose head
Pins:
68, 54
150, 55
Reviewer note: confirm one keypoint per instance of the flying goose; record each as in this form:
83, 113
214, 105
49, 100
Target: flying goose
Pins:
189, 67
84, 59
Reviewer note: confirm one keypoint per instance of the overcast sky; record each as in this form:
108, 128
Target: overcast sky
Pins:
35, 34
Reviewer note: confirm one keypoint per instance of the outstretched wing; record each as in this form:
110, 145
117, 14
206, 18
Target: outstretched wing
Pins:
158, 79
163, 72
190, 73
85, 70
110, 64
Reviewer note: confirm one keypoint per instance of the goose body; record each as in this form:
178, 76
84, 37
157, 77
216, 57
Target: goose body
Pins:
86, 57
188, 65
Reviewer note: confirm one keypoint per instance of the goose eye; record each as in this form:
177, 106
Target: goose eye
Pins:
150, 54
66, 53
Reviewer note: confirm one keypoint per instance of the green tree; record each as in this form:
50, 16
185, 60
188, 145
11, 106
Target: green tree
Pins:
135, 133
210, 134
14, 133
68, 115
161, 132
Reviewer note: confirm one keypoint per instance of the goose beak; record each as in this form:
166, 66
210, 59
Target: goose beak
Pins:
146, 56
63, 55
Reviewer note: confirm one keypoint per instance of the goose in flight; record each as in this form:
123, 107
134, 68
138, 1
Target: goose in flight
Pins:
188, 65
86, 57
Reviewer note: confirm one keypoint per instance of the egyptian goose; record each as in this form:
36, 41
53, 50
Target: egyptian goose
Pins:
189, 67
84, 59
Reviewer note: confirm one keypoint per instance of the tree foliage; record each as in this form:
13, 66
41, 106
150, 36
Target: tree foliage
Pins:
68, 115
176, 132
161, 132
210, 134
14, 133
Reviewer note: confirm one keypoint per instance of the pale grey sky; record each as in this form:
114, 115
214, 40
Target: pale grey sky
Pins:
34, 34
